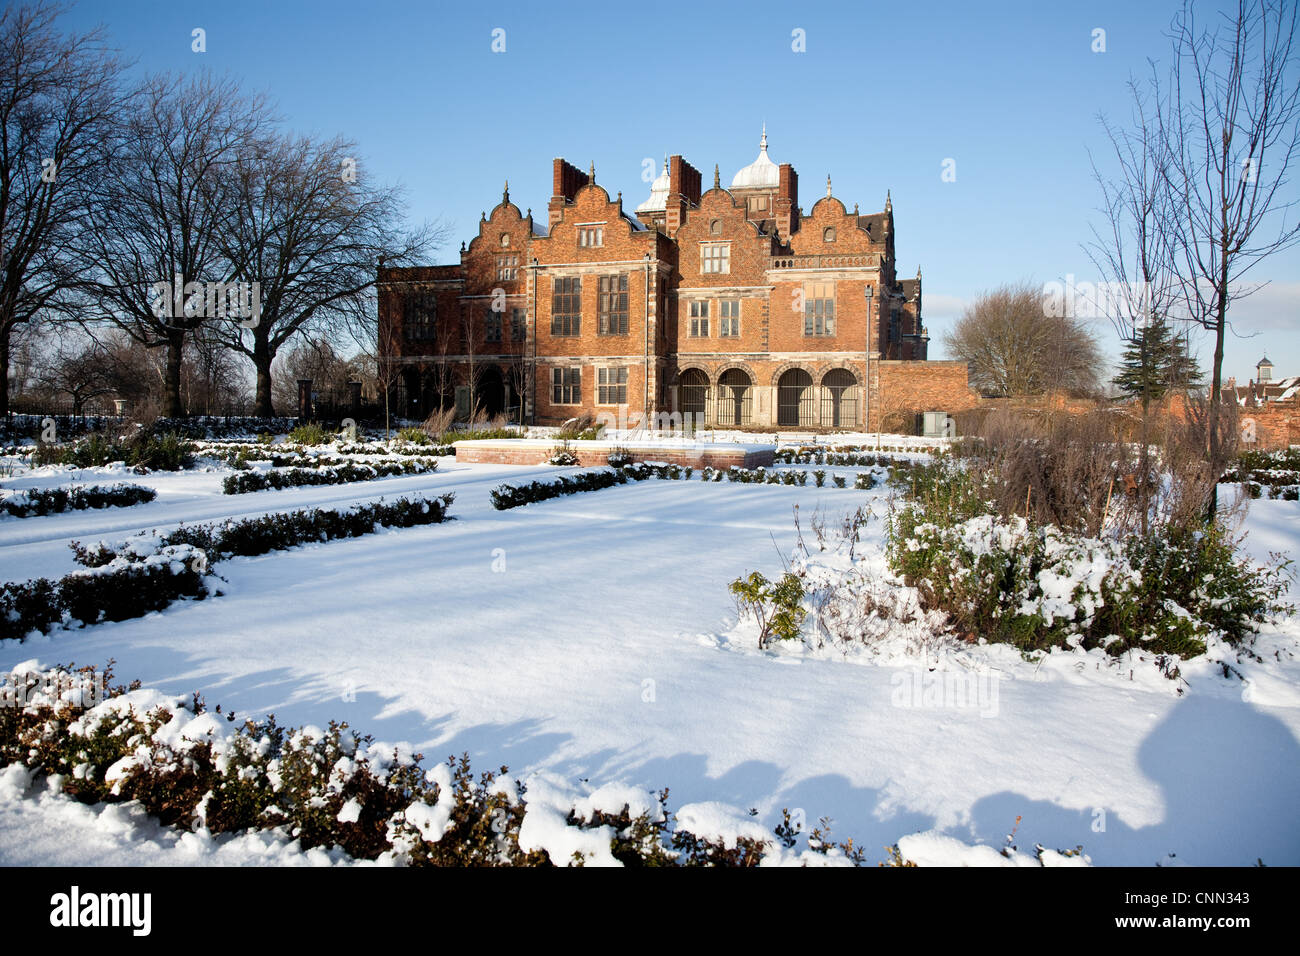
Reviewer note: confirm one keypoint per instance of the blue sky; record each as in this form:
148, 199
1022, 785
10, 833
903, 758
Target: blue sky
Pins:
880, 98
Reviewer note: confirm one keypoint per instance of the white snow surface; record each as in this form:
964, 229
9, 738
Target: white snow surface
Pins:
592, 637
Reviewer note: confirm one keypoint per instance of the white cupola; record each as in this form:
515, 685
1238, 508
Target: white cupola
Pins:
658, 201
761, 173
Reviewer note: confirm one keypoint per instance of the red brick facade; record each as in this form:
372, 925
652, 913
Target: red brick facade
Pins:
730, 305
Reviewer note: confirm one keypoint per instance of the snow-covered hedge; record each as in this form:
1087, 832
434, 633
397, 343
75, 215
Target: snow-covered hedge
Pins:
344, 474
1005, 580
840, 456
198, 769
149, 571
147, 449
514, 496
249, 537
1278, 469
126, 586
44, 501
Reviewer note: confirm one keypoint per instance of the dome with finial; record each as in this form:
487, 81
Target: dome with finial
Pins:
658, 200
761, 173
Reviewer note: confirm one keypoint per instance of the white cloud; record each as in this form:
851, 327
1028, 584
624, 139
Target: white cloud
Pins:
942, 307
1273, 308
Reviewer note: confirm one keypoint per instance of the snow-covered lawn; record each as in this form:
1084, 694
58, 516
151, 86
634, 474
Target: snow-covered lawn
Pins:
593, 637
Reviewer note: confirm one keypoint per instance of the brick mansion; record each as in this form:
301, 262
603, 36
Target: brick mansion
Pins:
730, 304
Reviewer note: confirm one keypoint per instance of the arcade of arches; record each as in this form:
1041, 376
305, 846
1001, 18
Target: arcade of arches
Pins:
796, 399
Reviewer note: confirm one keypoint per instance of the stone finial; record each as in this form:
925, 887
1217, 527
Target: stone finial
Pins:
717, 182
855, 209
889, 204
505, 193
591, 173
828, 184
462, 248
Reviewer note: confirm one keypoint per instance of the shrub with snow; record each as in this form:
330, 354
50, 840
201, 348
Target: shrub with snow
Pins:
198, 769
44, 501
1005, 580
248, 481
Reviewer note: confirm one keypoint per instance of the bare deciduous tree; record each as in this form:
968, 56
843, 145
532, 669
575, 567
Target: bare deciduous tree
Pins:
212, 377
162, 216
1135, 250
1231, 130
58, 94
315, 357
1014, 349
309, 227
80, 371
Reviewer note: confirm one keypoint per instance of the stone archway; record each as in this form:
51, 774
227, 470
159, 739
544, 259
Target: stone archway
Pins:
840, 402
735, 397
693, 395
795, 399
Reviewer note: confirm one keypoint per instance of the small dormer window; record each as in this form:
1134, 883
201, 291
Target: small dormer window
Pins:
591, 236
828, 234
715, 227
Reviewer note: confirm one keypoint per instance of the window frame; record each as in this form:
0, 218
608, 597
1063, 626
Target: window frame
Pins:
697, 313
819, 310
566, 380
566, 321
420, 317
612, 304
617, 383
731, 321
718, 264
